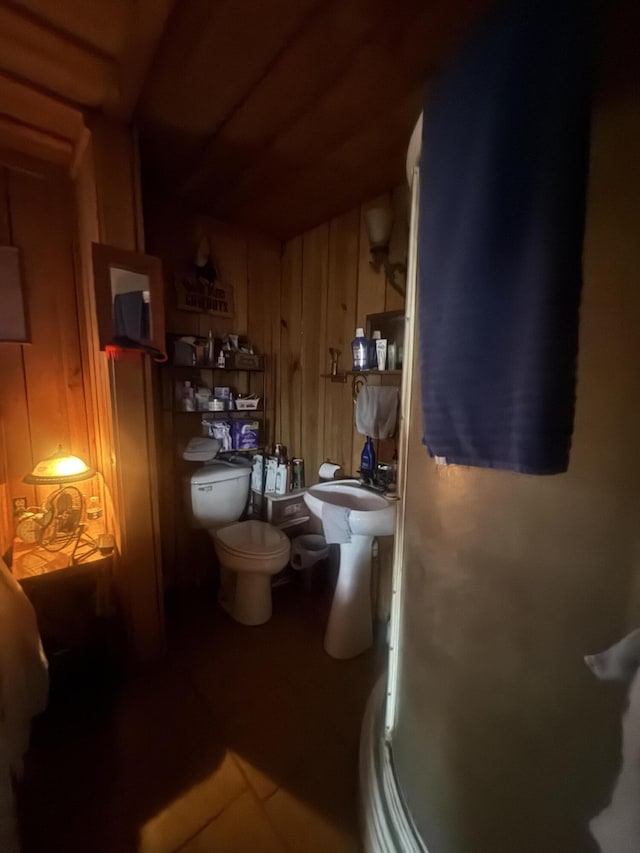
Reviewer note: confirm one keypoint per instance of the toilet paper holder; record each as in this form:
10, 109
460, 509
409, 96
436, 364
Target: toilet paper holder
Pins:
328, 471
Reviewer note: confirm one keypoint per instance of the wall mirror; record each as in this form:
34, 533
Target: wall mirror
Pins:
129, 298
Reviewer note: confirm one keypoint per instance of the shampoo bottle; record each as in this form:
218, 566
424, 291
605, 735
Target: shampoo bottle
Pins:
359, 348
368, 461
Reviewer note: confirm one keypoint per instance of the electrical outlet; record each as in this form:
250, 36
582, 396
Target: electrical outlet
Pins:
19, 505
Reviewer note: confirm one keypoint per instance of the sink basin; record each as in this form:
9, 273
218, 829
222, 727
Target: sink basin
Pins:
371, 513
350, 626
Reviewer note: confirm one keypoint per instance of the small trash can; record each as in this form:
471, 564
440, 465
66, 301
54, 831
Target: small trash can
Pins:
309, 560
308, 550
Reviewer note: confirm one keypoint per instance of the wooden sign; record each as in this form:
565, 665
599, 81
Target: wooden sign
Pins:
206, 297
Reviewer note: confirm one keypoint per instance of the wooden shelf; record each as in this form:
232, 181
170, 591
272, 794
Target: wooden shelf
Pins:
219, 369
342, 376
245, 413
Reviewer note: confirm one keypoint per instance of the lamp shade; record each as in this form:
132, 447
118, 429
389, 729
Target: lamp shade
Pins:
60, 467
379, 222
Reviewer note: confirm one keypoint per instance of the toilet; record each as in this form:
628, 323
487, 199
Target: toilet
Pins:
249, 552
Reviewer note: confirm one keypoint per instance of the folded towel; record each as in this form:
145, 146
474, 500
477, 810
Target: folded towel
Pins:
504, 156
377, 410
335, 522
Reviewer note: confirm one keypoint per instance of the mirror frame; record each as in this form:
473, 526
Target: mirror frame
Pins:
105, 257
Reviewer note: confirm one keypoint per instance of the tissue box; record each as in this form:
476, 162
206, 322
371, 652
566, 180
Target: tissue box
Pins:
244, 435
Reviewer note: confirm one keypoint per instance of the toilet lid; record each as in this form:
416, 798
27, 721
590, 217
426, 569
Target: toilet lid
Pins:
252, 537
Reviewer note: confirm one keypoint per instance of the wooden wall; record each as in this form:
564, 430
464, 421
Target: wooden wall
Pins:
250, 263
42, 393
294, 301
327, 289
109, 211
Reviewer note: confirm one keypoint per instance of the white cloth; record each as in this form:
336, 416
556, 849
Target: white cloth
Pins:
24, 687
617, 827
377, 410
335, 523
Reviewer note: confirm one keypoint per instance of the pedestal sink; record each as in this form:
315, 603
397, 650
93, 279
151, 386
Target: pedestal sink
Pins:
350, 629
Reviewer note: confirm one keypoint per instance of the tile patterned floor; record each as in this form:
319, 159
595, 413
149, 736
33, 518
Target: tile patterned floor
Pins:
246, 740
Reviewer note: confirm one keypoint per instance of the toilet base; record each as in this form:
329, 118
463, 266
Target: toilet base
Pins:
246, 596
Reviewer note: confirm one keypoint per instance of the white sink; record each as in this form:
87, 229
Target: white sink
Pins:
371, 513
350, 628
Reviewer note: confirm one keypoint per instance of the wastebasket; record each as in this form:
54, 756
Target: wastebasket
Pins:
307, 552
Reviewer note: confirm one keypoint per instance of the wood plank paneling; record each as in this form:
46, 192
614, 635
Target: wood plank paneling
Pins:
139, 570
342, 295
330, 267
42, 228
263, 320
315, 263
289, 425
42, 395
215, 54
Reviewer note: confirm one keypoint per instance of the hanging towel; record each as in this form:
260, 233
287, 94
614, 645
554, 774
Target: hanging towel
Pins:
131, 316
377, 410
502, 204
335, 523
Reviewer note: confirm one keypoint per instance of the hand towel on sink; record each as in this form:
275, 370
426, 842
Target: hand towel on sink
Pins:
335, 523
377, 410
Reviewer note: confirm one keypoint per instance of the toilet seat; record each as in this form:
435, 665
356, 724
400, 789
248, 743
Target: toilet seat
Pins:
252, 540
252, 546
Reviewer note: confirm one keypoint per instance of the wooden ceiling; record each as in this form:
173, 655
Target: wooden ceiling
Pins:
275, 114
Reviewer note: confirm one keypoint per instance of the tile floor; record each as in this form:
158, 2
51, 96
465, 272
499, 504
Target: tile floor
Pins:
245, 740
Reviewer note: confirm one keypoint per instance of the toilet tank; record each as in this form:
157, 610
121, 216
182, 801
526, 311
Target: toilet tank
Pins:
217, 493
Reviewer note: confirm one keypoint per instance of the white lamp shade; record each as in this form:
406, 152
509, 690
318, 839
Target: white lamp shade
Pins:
379, 222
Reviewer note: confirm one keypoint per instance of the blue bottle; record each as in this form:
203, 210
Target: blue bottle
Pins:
368, 461
360, 350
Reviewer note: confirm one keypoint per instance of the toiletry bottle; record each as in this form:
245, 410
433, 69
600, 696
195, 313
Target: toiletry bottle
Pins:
211, 356
188, 398
368, 461
372, 358
359, 348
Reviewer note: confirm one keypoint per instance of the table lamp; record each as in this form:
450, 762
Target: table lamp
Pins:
61, 519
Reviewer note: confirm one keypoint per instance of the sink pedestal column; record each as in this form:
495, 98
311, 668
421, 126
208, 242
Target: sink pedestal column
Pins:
350, 630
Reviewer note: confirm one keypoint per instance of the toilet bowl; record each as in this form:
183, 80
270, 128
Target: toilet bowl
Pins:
250, 553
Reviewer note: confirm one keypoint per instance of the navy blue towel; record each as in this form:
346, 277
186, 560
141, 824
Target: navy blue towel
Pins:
503, 183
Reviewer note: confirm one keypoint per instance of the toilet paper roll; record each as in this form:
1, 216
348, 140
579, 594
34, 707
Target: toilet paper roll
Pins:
328, 470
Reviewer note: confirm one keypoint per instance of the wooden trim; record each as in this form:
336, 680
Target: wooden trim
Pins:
407, 402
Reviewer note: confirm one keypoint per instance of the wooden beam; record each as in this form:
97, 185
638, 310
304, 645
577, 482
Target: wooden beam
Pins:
32, 107
35, 142
35, 52
96, 23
